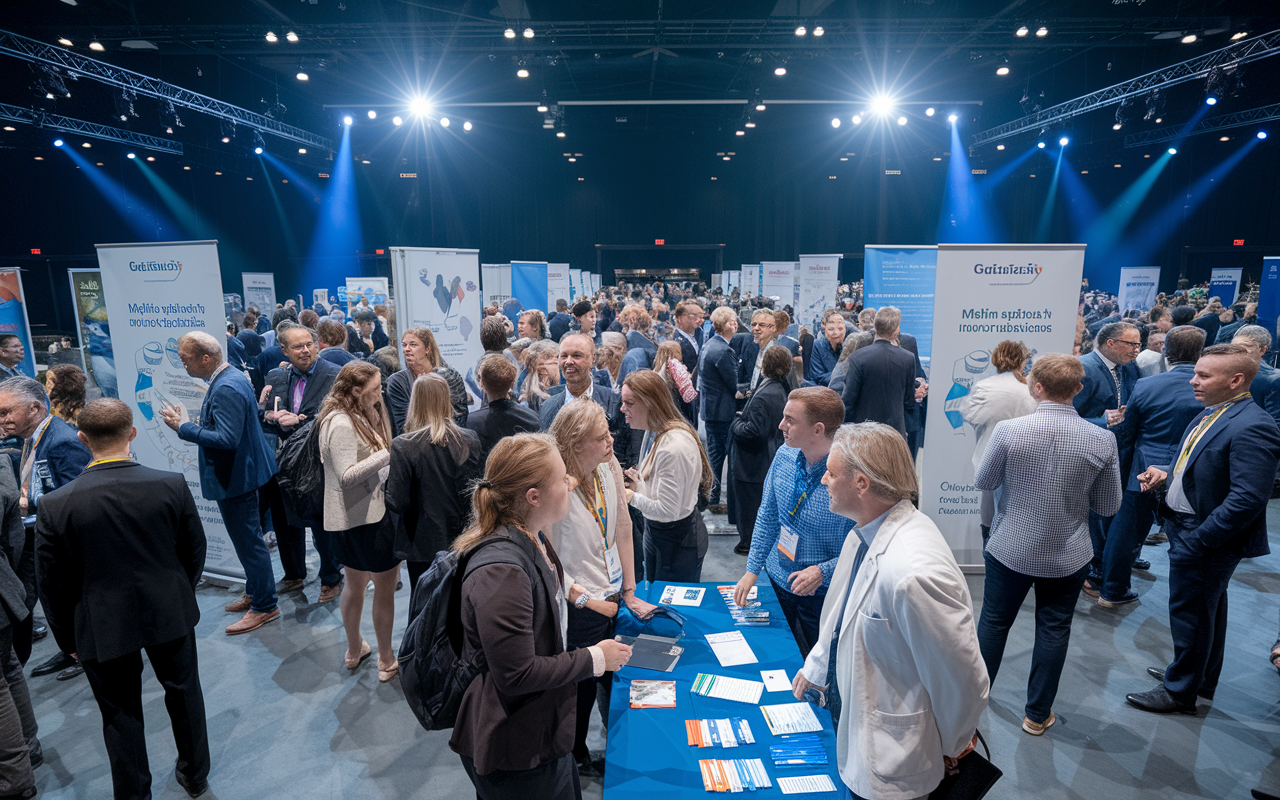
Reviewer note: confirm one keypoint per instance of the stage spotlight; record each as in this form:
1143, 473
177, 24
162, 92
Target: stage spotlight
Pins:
1022, 31
96, 47
800, 31
1211, 101
131, 155
1159, 120
1042, 32
999, 147
466, 126
85, 145
65, 42
1262, 134
857, 119
419, 106
509, 33
929, 112
1173, 151
528, 33
292, 37
739, 133
881, 104
151, 158
302, 76
444, 122
835, 122
1002, 71
818, 30
1040, 145
542, 109
258, 144
373, 114
1116, 126
952, 118
1235, 37
397, 121
748, 123
780, 71
760, 106
522, 73
1190, 38
347, 120
1064, 141
57, 143
559, 134
902, 120
271, 37
302, 151
1224, 138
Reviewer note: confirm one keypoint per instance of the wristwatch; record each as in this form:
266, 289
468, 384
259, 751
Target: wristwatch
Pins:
581, 602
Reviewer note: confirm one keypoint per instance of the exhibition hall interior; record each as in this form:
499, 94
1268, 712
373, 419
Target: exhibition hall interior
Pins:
410, 398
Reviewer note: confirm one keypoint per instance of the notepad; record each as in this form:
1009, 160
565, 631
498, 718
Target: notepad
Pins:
728, 688
791, 718
731, 648
799, 784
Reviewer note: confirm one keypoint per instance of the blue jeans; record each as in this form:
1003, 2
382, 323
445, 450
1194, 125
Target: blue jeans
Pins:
1099, 526
1003, 593
1198, 580
1124, 539
802, 615
717, 449
240, 515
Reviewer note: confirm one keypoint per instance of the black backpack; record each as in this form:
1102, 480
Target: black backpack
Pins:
300, 475
432, 672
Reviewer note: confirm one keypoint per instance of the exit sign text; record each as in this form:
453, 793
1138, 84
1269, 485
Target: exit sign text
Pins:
659, 241
1238, 242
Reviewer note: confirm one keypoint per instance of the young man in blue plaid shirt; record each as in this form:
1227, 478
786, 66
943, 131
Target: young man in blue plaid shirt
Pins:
797, 539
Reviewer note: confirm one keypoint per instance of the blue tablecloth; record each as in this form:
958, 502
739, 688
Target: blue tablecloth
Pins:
648, 753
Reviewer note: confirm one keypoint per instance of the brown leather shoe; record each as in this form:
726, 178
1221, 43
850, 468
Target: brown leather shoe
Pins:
328, 593
290, 585
253, 620
240, 606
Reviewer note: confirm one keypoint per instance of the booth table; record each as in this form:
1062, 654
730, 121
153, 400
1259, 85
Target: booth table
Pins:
648, 753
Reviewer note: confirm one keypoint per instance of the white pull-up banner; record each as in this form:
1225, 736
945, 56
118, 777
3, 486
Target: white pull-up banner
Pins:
818, 288
1138, 288
260, 291
751, 280
985, 294
155, 292
779, 281
558, 280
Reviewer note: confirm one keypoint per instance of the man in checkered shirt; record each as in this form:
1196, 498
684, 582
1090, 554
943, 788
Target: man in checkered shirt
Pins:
1051, 468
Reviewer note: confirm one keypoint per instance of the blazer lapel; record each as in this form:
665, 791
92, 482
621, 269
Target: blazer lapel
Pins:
1219, 425
870, 563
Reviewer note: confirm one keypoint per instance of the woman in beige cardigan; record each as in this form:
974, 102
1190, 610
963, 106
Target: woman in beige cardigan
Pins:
355, 434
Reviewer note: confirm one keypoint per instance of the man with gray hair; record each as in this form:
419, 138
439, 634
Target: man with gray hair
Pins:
235, 462
1265, 387
880, 381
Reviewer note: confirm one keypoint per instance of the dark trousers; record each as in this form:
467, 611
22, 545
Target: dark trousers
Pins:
1198, 580
717, 449
16, 776
637, 543
671, 551
747, 497
117, 686
586, 628
327, 548
291, 541
1099, 526
240, 514
554, 780
802, 615
1129, 527
13, 675
1002, 596
416, 570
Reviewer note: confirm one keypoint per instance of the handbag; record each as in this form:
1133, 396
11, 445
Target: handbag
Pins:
973, 778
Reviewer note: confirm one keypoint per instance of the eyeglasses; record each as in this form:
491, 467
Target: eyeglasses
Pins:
1126, 341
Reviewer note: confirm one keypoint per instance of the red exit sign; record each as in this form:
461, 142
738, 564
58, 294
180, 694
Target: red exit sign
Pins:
379, 251
1238, 242
35, 251
659, 241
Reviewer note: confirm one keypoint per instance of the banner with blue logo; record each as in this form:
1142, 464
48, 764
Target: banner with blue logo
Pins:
1224, 282
1269, 295
94, 329
902, 276
984, 295
1137, 289
529, 284
155, 292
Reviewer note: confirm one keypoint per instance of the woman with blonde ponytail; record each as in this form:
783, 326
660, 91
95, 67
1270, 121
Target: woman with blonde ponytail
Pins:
515, 726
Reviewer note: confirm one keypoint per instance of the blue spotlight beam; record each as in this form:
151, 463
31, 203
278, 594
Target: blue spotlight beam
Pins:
38, 52
1105, 230
1239, 119
336, 242
93, 130
1241, 52
295, 178
965, 215
1081, 203
146, 221
1046, 214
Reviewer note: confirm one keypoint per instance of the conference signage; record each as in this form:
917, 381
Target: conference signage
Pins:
260, 291
575, 285
557, 285
1224, 282
1138, 288
733, 280
93, 330
779, 280
440, 290
819, 288
595, 282
751, 279
155, 292
984, 295
13, 317
495, 280
717, 280
1269, 294
318, 296
903, 276
376, 290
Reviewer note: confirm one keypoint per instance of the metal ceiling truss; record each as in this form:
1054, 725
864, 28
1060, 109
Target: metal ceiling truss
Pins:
53, 122
1241, 52
40, 53
1237, 120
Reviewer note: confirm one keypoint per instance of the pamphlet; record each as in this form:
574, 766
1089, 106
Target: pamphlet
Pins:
798, 750
653, 694
728, 688
799, 784
731, 648
718, 732
734, 776
682, 596
790, 718
775, 680
753, 614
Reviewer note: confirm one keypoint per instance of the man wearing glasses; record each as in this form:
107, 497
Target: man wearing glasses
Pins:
1109, 376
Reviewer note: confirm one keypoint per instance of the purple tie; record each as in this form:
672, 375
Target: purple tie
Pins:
298, 388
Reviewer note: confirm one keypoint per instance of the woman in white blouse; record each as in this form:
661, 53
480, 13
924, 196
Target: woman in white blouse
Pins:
1002, 396
665, 486
595, 548
355, 435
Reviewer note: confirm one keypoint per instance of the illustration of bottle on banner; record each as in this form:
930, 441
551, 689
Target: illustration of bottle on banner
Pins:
964, 374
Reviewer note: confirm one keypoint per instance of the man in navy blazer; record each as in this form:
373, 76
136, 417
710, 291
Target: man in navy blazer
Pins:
1160, 409
717, 386
688, 334
1219, 484
640, 351
880, 384
235, 462
1265, 387
1109, 376
577, 354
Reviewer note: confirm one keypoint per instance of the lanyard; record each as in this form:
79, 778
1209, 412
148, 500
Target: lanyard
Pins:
1205, 424
108, 461
803, 484
598, 509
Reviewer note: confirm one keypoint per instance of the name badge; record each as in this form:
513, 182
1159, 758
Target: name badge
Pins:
613, 564
787, 541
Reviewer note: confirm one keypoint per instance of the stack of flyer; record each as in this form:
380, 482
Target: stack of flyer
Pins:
719, 775
718, 732
653, 694
753, 614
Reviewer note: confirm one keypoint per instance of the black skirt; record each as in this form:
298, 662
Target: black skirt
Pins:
366, 547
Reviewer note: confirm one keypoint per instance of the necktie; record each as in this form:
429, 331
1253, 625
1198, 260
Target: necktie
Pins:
1115, 375
833, 689
298, 388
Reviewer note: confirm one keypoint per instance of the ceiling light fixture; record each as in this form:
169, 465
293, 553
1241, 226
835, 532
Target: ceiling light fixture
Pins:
748, 124
444, 122
1262, 134
271, 37
881, 104
509, 33
739, 132
528, 33
522, 73
835, 122
292, 37
1022, 31
57, 143
999, 147
302, 151
542, 109
930, 111
952, 118
818, 30
1002, 71
96, 46
1190, 38
1040, 145
857, 119
397, 121
65, 42
1173, 151
419, 106
1116, 126
1235, 37
800, 31
1224, 138
373, 114
1064, 141
559, 134
1211, 101
466, 125
347, 120
902, 120
780, 71
151, 158
760, 106
134, 155
302, 76
1042, 32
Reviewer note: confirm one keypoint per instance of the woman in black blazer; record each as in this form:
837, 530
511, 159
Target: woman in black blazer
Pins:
754, 438
432, 466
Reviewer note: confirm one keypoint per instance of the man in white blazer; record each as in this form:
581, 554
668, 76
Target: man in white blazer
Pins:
897, 635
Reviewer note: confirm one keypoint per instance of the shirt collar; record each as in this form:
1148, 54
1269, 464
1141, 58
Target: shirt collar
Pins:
306, 374
1111, 365
867, 533
802, 466
569, 396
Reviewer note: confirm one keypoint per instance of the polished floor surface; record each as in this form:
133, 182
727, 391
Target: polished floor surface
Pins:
286, 720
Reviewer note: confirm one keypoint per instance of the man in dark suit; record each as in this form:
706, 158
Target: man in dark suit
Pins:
119, 551
640, 349
1218, 488
577, 355
1109, 376
20, 750
717, 385
1159, 410
501, 416
751, 347
52, 456
1265, 387
293, 395
558, 324
915, 420
880, 384
688, 334
235, 463
755, 438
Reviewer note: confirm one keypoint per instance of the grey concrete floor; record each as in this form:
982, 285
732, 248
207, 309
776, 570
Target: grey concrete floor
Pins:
286, 720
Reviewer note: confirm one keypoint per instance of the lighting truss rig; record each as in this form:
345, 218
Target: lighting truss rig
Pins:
40, 53
1236, 120
93, 130
1241, 52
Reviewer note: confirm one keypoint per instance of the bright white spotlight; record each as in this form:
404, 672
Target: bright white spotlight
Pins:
271, 37
1190, 38
65, 42
835, 122
739, 133
760, 106
373, 114
952, 118
132, 155
528, 33
509, 33
881, 104
57, 143
1117, 126
559, 134
419, 107
257, 150
522, 73
930, 111
302, 151
85, 145
748, 124
1042, 32
1211, 101
347, 120
1040, 145
444, 122
96, 46
1173, 151
291, 36
902, 120
466, 126
302, 76
857, 119
1064, 141
1002, 71
1021, 31
780, 71
397, 121
1238, 36
999, 147
542, 109
801, 31
818, 30
1262, 134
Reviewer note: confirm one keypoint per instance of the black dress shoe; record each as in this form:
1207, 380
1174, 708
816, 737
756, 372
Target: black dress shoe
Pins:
1142, 564
1159, 701
193, 789
40, 631
1258, 794
742, 549
59, 662
590, 767
1158, 674
36, 753
73, 671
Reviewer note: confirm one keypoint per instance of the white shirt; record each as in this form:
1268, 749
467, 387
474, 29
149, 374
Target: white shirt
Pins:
693, 340
672, 473
1176, 497
1151, 363
579, 543
569, 396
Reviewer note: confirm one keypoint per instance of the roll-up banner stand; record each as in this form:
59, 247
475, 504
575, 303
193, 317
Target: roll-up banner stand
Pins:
984, 295
751, 279
1269, 299
320, 296
155, 292
93, 330
1137, 288
260, 291
575, 285
441, 291
13, 317
1224, 282
819, 288
733, 280
778, 281
717, 279
529, 284
557, 285
375, 290
903, 276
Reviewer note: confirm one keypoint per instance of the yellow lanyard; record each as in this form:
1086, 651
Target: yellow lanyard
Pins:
598, 509
1201, 428
108, 461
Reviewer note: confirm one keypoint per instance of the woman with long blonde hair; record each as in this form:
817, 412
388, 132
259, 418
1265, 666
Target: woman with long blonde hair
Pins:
432, 466
673, 472
515, 725
542, 371
355, 434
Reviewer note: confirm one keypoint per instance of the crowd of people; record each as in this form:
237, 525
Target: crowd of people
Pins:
576, 459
